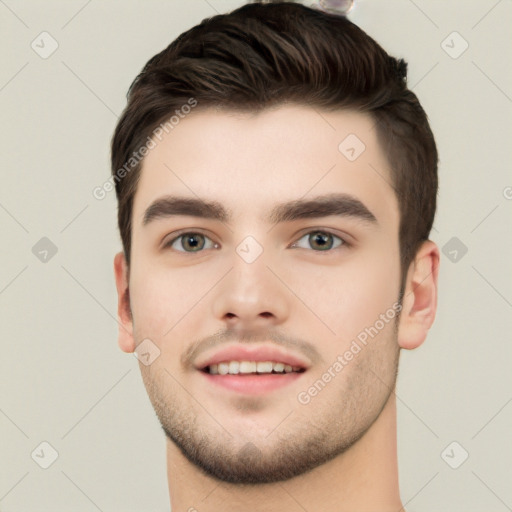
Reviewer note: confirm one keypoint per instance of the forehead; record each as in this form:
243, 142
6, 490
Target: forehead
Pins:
251, 161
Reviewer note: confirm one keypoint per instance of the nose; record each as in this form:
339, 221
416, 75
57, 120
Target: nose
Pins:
251, 296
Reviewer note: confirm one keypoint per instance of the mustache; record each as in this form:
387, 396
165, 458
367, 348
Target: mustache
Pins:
225, 336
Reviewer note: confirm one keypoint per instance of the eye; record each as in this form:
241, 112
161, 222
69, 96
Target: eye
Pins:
321, 241
190, 240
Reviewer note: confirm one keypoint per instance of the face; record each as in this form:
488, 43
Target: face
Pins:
259, 275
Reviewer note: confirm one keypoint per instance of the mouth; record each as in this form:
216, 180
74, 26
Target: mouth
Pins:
250, 382
252, 370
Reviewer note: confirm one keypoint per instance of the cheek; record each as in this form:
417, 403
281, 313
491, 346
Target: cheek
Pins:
153, 301
346, 299
164, 301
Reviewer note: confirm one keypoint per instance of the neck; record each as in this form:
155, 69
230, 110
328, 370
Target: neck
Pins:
363, 478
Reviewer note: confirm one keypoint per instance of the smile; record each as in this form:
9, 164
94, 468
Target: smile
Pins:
251, 368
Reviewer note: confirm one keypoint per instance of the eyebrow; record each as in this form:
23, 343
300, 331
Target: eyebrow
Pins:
343, 205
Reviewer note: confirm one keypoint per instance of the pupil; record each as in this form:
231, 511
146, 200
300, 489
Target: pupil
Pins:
191, 240
321, 237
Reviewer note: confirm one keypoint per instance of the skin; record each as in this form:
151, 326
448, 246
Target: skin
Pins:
337, 452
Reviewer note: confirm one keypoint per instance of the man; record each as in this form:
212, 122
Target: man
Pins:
277, 185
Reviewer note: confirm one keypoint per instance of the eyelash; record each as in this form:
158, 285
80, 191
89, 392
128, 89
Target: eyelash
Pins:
343, 245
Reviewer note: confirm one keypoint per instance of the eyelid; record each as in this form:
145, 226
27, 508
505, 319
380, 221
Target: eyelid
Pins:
346, 243
167, 243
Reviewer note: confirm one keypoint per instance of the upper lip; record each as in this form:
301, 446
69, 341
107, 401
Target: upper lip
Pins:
252, 353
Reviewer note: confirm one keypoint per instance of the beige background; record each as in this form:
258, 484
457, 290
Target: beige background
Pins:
63, 378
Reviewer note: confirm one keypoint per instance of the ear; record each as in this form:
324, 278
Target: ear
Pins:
419, 303
125, 337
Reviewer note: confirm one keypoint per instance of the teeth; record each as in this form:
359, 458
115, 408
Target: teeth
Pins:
278, 367
237, 367
223, 368
264, 367
234, 367
247, 366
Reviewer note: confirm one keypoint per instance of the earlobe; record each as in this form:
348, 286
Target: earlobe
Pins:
419, 303
125, 337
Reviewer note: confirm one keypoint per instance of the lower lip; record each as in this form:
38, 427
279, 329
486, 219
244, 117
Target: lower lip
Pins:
253, 384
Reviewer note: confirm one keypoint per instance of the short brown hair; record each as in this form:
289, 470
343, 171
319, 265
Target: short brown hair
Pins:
265, 54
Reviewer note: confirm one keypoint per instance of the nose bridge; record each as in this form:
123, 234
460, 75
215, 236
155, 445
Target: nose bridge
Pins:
251, 279
250, 292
